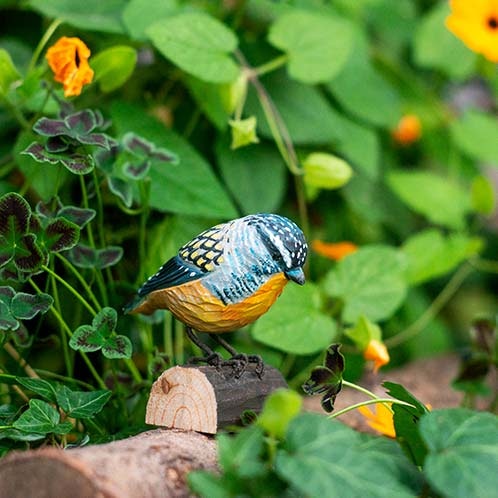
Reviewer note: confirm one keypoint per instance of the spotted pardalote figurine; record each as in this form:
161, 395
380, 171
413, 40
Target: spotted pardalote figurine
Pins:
227, 277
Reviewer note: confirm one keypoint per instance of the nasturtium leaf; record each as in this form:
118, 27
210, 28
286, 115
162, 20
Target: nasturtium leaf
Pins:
295, 324
474, 133
483, 197
463, 452
197, 43
94, 15
42, 387
113, 66
191, 187
40, 417
256, 176
138, 15
406, 419
317, 45
431, 254
370, 282
26, 306
81, 404
322, 457
436, 47
279, 409
86, 338
378, 102
439, 199
8, 72
117, 346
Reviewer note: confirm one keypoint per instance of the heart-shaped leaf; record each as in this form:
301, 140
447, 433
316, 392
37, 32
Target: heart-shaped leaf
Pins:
117, 346
40, 154
87, 257
59, 235
105, 321
26, 306
85, 338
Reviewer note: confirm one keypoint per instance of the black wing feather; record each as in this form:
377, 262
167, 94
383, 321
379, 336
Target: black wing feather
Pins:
174, 272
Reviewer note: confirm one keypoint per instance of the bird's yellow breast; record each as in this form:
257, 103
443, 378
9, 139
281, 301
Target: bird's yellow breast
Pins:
195, 306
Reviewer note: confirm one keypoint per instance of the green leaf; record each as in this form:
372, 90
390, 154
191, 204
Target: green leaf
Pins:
406, 419
40, 417
197, 43
437, 48
43, 388
370, 282
431, 254
87, 257
138, 15
188, 188
463, 452
474, 133
279, 409
26, 306
94, 15
322, 457
256, 176
294, 324
105, 321
317, 45
117, 346
8, 72
483, 196
439, 199
363, 332
377, 102
80, 404
85, 338
207, 484
58, 234
113, 66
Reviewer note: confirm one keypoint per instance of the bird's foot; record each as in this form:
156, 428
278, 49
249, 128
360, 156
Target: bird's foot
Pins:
240, 361
213, 360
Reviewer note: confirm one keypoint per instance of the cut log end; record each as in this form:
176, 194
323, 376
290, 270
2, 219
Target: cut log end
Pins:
205, 399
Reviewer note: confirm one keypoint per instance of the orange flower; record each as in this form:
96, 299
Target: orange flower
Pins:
381, 420
335, 251
68, 59
376, 351
476, 24
408, 130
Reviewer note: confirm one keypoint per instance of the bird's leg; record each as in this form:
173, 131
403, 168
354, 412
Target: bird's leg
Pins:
240, 360
210, 357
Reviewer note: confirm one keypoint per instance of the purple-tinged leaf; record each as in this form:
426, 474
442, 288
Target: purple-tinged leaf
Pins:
26, 306
6, 294
164, 155
7, 321
79, 164
99, 139
50, 127
105, 159
38, 153
80, 123
79, 216
105, 321
86, 338
136, 171
6, 251
49, 209
35, 224
9, 272
21, 336
108, 256
83, 256
28, 256
117, 346
15, 213
121, 189
60, 234
56, 144
138, 145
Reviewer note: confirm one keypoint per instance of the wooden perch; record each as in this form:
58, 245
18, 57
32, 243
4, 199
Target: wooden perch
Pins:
153, 464
205, 399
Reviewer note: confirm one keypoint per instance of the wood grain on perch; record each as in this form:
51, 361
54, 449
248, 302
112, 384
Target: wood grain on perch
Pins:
205, 399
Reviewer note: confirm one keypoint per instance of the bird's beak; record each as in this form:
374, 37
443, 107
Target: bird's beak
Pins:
296, 275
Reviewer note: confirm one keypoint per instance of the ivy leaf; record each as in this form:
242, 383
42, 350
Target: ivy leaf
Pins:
80, 404
42, 387
41, 418
117, 346
318, 45
197, 43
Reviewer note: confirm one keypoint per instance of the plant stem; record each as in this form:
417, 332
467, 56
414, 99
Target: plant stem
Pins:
71, 289
361, 389
436, 306
44, 40
269, 66
12, 351
15, 387
369, 402
485, 265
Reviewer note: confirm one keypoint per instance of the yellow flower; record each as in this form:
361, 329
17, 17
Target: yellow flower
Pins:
476, 24
408, 130
68, 59
376, 351
381, 420
335, 251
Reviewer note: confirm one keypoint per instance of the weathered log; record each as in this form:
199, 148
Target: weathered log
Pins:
205, 399
153, 464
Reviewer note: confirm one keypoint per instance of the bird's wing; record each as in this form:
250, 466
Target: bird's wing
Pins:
201, 255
